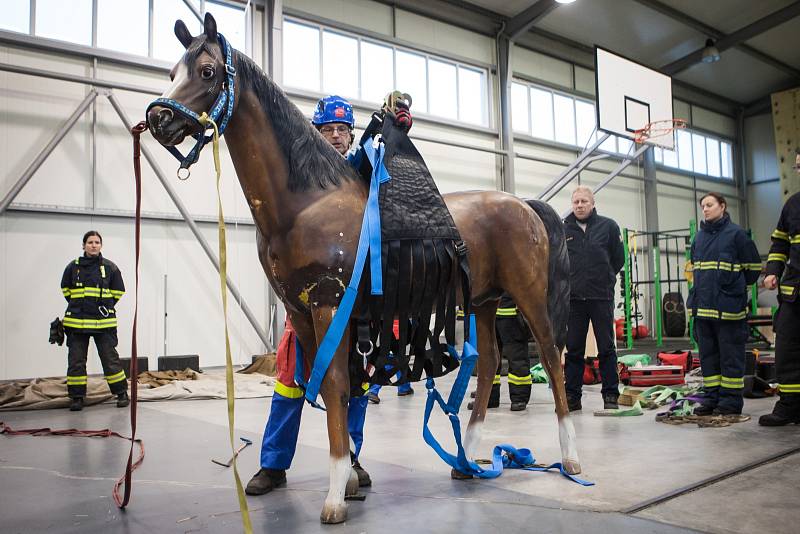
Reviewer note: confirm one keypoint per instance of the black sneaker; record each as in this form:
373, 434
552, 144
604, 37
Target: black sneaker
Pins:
574, 404
76, 405
265, 481
471, 405
518, 406
610, 402
123, 400
404, 392
373, 398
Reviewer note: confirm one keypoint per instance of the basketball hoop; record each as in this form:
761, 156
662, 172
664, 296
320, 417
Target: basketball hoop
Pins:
658, 129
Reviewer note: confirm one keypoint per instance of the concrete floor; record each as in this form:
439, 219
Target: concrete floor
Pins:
63, 484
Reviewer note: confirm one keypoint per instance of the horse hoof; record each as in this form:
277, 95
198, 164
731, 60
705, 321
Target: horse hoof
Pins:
333, 513
573, 467
352, 484
455, 474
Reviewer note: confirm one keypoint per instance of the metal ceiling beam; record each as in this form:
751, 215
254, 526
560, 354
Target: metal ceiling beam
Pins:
739, 36
524, 20
710, 31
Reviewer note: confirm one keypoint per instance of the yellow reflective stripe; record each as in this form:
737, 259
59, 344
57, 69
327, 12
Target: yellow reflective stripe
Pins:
795, 239
775, 256
76, 380
507, 312
73, 322
520, 380
777, 234
787, 290
288, 391
704, 312
732, 383
496, 379
118, 377
712, 381
734, 316
65, 291
116, 293
365, 386
789, 388
753, 266
103, 271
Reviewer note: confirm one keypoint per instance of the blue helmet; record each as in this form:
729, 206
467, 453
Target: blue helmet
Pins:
333, 109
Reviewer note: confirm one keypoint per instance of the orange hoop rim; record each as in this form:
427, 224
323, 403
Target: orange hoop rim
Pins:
658, 129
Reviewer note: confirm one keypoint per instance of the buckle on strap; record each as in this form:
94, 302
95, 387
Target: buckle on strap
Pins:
230, 69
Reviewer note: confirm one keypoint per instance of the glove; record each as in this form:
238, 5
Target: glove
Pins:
57, 332
402, 117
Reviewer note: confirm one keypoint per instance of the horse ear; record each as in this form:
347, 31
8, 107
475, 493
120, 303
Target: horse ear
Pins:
182, 33
210, 27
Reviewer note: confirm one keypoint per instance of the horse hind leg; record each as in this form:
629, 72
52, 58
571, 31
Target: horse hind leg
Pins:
535, 312
488, 359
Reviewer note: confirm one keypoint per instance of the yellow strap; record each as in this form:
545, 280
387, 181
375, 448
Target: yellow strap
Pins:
290, 392
223, 268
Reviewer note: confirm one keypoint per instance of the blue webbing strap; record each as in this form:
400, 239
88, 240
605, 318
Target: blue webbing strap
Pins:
513, 458
369, 241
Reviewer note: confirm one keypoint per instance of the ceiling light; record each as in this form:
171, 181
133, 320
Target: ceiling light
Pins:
710, 52
564, 1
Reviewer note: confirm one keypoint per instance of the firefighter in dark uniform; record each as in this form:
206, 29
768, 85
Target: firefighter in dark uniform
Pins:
92, 286
512, 340
725, 262
596, 256
783, 273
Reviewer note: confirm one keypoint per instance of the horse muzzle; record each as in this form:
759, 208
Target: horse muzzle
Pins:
166, 127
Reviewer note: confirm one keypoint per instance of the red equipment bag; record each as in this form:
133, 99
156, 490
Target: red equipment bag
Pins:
677, 357
591, 371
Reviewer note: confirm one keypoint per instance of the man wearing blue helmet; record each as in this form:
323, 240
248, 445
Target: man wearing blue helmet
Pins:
333, 118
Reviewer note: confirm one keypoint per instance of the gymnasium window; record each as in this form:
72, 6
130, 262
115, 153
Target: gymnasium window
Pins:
547, 114
366, 69
123, 26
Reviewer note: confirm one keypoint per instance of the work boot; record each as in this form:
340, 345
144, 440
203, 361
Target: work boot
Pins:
495, 404
518, 406
364, 479
265, 481
76, 405
610, 402
404, 392
574, 404
703, 409
123, 400
774, 419
373, 398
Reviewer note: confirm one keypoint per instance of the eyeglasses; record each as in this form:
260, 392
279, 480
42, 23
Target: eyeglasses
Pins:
328, 130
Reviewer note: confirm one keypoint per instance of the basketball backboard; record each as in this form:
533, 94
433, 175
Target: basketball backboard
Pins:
630, 96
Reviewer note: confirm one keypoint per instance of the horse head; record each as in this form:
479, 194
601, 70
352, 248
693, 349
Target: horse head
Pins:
199, 80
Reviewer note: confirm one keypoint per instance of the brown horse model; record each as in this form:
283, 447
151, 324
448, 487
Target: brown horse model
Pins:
307, 204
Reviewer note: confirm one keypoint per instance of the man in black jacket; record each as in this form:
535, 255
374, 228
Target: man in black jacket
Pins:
596, 256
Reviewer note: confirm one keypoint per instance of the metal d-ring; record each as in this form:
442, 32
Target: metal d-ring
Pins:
188, 173
369, 350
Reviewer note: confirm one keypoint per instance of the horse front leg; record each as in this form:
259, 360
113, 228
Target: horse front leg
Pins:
335, 391
488, 360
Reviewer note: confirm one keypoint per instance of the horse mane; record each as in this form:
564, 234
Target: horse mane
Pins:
313, 163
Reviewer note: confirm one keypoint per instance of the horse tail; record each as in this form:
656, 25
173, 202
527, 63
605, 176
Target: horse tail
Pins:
557, 272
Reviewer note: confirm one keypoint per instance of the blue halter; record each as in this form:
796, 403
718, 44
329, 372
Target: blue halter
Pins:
220, 113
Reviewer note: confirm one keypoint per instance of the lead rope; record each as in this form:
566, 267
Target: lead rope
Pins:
131, 466
223, 269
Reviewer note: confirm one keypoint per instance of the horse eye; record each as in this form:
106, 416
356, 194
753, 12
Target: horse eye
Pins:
207, 73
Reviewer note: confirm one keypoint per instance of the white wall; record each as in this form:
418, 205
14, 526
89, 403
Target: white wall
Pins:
761, 167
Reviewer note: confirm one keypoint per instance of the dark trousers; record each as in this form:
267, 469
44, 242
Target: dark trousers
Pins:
722, 362
106, 343
787, 358
512, 340
601, 315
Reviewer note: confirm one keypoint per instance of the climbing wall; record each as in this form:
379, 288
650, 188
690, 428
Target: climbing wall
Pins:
786, 121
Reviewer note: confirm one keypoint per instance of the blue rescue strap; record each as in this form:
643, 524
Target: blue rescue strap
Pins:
223, 107
369, 241
513, 458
